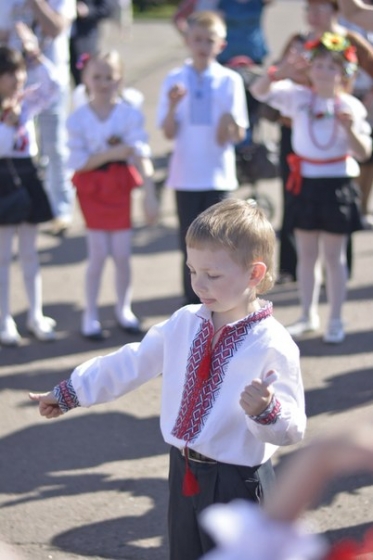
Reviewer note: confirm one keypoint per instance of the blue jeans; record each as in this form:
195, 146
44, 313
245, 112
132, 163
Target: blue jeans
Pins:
53, 147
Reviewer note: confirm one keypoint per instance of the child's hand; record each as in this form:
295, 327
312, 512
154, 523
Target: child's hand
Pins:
226, 129
11, 114
256, 397
345, 119
175, 95
150, 206
30, 43
48, 405
121, 152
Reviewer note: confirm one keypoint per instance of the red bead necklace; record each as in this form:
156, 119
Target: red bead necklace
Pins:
312, 116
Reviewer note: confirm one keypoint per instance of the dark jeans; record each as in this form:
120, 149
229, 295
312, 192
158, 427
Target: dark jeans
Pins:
189, 204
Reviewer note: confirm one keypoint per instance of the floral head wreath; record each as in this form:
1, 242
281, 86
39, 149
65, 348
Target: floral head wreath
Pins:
335, 44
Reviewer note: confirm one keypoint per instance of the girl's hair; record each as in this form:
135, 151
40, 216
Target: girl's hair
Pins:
242, 229
112, 58
10, 60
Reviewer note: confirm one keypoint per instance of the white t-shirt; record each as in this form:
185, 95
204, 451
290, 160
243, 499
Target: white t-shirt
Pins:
56, 49
89, 135
198, 162
315, 136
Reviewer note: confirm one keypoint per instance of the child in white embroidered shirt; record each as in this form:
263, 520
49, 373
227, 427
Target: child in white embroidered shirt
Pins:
220, 414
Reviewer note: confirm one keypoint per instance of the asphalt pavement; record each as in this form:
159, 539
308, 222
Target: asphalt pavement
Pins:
94, 483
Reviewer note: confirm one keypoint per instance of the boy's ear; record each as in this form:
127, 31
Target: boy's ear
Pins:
257, 273
223, 44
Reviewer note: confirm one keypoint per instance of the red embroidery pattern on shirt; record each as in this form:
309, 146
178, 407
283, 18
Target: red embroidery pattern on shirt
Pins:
199, 395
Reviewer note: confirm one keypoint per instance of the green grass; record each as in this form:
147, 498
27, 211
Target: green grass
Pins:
163, 11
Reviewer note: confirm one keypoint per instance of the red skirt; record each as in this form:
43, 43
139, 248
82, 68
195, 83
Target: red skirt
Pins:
105, 195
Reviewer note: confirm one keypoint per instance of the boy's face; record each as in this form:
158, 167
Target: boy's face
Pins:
204, 45
325, 72
222, 284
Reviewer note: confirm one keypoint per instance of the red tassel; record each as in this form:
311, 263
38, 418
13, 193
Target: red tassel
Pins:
205, 365
190, 483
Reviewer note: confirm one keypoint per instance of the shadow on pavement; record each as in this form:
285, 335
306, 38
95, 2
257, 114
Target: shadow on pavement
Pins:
342, 392
57, 449
116, 538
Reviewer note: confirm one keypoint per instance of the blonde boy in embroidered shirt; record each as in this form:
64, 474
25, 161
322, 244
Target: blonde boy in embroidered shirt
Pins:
220, 415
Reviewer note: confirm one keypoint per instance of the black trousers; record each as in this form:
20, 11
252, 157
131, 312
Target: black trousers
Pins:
188, 205
219, 483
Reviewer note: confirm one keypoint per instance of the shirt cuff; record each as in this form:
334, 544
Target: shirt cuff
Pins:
65, 395
270, 414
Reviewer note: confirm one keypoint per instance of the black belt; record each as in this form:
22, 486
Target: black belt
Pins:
197, 457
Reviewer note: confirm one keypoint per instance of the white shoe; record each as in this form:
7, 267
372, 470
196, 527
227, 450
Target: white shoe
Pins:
60, 225
92, 329
129, 322
42, 329
335, 333
9, 335
303, 326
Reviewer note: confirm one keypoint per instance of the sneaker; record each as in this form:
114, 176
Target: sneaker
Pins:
303, 326
335, 333
42, 329
9, 335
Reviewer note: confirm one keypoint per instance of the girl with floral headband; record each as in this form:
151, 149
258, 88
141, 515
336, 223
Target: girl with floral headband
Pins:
329, 134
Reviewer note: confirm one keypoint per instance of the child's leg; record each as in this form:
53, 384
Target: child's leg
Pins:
30, 268
308, 271
219, 483
8, 330
334, 249
98, 246
121, 242
42, 327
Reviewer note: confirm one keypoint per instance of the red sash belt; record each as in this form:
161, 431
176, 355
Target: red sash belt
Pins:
294, 182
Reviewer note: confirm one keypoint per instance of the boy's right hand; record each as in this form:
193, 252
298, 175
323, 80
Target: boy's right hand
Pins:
48, 405
175, 94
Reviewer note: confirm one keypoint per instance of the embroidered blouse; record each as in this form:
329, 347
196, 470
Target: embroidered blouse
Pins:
207, 417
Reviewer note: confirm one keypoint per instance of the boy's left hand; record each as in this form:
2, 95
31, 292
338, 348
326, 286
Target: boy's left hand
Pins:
256, 397
226, 129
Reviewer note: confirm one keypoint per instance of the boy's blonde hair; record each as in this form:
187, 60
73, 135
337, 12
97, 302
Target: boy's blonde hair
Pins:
209, 20
242, 229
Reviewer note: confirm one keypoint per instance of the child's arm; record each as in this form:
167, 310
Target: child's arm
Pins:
229, 131
119, 152
360, 144
180, 17
150, 201
288, 68
303, 479
358, 12
169, 125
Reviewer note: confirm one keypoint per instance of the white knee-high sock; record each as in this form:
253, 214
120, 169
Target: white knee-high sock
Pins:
308, 271
334, 248
6, 237
121, 251
31, 271
98, 244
